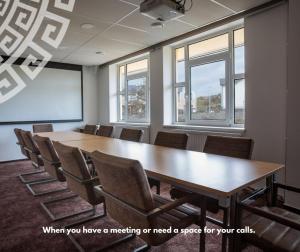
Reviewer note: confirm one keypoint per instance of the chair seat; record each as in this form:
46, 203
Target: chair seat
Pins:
180, 217
271, 234
211, 203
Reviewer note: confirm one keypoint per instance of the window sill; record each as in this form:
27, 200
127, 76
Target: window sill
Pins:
131, 124
206, 129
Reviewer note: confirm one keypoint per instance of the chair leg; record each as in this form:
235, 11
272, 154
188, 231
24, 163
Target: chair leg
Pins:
29, 186
52, 216
142, 248
158, 188
202, 223
21, 176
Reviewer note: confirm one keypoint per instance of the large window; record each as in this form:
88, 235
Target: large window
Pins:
209, 80
133, 91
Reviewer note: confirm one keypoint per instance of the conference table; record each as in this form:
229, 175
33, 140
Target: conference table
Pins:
211, 175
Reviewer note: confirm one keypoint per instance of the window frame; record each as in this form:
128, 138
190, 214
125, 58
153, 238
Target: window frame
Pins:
127, 78
230, 77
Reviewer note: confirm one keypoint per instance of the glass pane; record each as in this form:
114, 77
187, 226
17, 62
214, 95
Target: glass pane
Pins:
180, 104
122, 104
239, 101
239, 51
209, 46
137, 99
180, 65
137, 67
208, 90
122, 78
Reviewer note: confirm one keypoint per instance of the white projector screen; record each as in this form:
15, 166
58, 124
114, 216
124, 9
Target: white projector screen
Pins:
55, 95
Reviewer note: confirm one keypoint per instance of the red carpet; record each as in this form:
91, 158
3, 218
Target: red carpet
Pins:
22, 219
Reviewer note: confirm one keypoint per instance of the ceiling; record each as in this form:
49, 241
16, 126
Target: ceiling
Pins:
119, 28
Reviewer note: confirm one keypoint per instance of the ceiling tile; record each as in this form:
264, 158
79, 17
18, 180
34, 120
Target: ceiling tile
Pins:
204, 12
103, 10
240, 5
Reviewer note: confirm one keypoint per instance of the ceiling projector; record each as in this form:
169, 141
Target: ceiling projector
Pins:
162, 10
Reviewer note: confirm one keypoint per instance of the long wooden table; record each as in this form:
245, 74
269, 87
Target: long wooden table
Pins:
212, 175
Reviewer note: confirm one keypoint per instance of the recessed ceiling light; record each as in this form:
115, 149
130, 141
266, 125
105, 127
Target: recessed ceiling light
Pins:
157, 25
87, 26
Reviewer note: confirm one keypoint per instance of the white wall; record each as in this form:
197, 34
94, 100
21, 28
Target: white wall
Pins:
265, 53
8, 147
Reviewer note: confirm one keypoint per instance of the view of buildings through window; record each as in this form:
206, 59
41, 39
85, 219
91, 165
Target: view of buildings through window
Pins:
209, 83
133, 95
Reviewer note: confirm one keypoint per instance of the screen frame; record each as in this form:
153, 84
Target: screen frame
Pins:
54, 65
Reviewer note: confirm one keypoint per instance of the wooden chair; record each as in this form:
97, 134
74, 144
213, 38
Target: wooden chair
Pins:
276, 226
130, 201
105, 130
79, 181
134, 135
227, 146
90, 129
42, 128
171, 140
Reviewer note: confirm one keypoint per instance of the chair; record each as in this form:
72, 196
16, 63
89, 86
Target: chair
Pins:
21, 142
42, 128
130, 202
105, 130
133, 135
171, 140
79, 180
34, 155
237, 147
90, 129
277, 226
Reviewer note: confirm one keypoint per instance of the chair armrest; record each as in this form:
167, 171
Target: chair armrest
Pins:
79, 180
152, 213
171, 205
286, 187
272, 216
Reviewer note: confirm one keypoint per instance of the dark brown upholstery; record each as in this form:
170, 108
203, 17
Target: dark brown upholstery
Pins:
90, 129
77, 174
238, 147
42, 128
172, 140
127, 192
21, 142
134, 135
276, 225
273, 235
50, 158
32, 148
105, 130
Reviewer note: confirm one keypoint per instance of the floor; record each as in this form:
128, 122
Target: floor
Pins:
22, 220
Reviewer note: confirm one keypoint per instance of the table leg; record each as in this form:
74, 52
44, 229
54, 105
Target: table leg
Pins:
232, 222
202, 224
269, 184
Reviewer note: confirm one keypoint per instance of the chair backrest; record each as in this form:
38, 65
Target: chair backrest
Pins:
90, 129
238, 147
172, 140
48, 127
125, 180
76, 171
134, 135
105, 130
29, 142
21, 141
49, 156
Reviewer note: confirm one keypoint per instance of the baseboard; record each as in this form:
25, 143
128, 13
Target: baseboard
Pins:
11, 161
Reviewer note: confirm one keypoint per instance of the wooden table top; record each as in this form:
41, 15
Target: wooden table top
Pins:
218, 175
66, 136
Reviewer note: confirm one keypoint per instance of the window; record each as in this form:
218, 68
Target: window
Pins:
209, 80
133, 91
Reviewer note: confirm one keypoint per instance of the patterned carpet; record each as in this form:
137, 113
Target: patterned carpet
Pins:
22, 220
